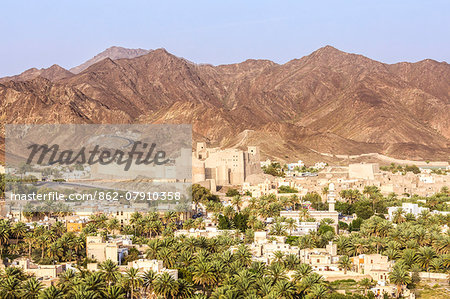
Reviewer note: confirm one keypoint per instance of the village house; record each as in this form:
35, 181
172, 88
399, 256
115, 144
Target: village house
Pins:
156, 266
321, 259
42, 271
100, 250
376, 265
265, 188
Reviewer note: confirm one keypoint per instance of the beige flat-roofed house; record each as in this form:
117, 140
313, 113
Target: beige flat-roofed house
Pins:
47, 271
376, 265
99, 249
156, 266
321, 259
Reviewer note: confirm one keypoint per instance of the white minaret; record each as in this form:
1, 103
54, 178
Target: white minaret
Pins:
331, 198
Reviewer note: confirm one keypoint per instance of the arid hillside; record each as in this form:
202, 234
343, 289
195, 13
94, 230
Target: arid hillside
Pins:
328, 102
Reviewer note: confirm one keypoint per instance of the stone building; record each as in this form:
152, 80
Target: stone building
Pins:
215, 167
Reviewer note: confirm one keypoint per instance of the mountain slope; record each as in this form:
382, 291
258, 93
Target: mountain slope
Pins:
329, 101
53, 73
111, 53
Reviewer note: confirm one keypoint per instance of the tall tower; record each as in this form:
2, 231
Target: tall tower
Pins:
331, 198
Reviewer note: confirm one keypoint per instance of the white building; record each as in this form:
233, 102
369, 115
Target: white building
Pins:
304, 228
299, 164
408, 208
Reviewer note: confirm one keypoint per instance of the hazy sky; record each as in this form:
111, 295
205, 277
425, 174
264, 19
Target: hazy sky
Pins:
41, 33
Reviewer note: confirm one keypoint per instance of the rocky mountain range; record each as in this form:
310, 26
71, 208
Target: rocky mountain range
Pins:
53, 73
112, 53
327, 102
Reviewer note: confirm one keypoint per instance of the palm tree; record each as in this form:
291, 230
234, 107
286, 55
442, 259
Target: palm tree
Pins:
31, 288
133, 280
276, 272
10, 288
366, 284
292, 261
225, 291
78, 244
237, 202
278, 229
185, 289
4, 235
166, 286
204, 274
114, 292
400, 277
51, 293
425, 256
148, 278
278, 257
243, 255
15, 272
294, 200
359, 246
113, 224
409, 257
284, 289
14, 249
29, 239
66, 280
243, 282
350, 195
135, 218
94, 282
437, 264
43, 242
345, 263
318, 291
399, 216
19, 229
304, 214
325, 190
110, 271
291, 224
302, 271
392, 254
55, 251
82, 291
442, 245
